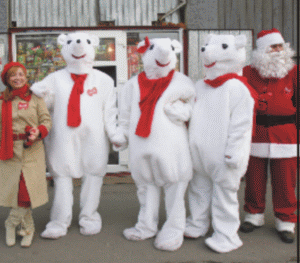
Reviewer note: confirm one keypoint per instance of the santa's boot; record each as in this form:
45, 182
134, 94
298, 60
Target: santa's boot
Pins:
28, 229
14, 219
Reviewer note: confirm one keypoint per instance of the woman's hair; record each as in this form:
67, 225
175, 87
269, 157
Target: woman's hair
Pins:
7, 94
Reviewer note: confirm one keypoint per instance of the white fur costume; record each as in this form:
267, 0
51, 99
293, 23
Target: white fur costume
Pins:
221, 125
78, 152
162, 159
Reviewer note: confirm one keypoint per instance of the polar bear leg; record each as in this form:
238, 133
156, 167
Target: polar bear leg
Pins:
146, 227
225, 220
199, 198
89, 219
170, 237
61, 211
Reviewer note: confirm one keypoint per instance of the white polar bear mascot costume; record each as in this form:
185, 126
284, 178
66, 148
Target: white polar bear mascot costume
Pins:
154, 108
220, 134
82, 104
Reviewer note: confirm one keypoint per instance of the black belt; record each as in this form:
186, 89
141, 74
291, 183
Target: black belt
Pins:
271, 120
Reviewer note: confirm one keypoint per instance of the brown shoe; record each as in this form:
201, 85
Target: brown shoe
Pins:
247, 227
286, 236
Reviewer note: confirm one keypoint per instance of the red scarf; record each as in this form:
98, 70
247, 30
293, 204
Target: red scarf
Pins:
150, 91
6, 150
215, 83
74, 118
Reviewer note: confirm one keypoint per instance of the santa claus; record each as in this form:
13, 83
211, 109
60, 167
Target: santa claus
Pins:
273, 74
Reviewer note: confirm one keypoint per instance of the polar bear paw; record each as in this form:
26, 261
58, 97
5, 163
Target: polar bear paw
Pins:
192, 231
53, 233
90, 229
220, 244
135, 234
168, 242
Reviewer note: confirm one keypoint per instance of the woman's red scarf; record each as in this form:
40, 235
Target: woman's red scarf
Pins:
6, 145
222, 79
150, 91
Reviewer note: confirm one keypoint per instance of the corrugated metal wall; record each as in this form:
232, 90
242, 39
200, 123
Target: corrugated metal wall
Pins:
260, 15
65, 13
196, 41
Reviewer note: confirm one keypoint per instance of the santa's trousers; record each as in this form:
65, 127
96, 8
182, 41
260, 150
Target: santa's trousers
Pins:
283, 181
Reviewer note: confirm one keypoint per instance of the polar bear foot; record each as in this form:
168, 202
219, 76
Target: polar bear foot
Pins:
135, 234
194, 232
222, 244
90, 228
168, 241
53, 233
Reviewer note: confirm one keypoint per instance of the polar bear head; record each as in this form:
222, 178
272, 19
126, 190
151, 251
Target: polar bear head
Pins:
159, 56
223, 54
78, 50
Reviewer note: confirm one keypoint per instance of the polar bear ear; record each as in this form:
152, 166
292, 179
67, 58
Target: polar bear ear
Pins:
177, 46
61, 40
240, 41
95, 40
207, 38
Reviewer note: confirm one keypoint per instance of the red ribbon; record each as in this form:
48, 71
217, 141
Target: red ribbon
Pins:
144, 48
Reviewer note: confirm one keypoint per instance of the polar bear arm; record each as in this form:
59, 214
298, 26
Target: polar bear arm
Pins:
110, 110
180, 109
240, 126
124, 114
45, 89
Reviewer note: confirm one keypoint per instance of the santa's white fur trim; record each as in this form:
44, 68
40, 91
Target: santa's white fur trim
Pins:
284, 226
255, 219
268, 40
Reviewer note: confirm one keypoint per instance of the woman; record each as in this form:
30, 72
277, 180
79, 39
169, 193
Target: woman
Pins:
24, 122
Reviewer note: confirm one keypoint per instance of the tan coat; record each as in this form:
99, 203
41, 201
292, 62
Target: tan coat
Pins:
30, 161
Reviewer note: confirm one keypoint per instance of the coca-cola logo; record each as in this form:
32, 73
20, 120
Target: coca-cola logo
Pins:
92, 91
23, 105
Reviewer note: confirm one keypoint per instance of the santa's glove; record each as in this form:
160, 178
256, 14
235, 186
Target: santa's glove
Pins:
178, 112
119, 141
231, 162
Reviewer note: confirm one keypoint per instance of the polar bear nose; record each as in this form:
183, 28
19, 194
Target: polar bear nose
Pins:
203, 49
78, 41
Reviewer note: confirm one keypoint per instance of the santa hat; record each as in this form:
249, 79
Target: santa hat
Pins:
267, 38
7, 67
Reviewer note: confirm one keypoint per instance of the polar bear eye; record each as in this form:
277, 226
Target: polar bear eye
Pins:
69, 41
224, 46
172, 48
88, 41
151, 47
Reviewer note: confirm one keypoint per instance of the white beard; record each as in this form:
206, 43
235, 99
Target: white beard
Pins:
273, 64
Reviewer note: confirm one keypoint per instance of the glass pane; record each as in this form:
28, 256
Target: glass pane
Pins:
40, 54
106, 51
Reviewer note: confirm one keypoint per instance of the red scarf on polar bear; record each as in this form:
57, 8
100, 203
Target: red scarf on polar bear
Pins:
150, 91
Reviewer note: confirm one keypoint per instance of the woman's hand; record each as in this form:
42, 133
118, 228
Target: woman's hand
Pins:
34, 134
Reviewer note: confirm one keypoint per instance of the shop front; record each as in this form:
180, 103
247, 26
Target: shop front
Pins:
116, 55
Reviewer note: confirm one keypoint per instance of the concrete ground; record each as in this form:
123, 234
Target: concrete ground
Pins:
119, 208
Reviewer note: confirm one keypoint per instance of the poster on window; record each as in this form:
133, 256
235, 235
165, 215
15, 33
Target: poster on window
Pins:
40, 54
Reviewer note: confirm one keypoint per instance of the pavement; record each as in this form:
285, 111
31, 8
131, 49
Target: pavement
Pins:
119, 208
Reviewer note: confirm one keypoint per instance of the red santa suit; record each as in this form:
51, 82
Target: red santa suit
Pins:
275, 141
